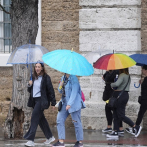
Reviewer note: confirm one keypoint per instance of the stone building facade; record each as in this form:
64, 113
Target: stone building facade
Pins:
113, 25
85, 26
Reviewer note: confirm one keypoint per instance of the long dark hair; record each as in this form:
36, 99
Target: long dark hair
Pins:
144, 67
124, 70
43, 72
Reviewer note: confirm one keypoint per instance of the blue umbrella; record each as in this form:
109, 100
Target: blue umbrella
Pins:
68, 61
27, 54
141, 59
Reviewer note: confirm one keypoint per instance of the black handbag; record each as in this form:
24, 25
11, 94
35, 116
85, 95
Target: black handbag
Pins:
112, 100
60, 106
139, 99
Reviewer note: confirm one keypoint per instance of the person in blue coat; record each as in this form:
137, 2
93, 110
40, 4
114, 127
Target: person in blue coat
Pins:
72, 104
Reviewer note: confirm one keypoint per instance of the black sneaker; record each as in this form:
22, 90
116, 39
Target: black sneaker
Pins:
137, 130
129, 130
78, 144
114, 134
59, 144
121, 132
107, 130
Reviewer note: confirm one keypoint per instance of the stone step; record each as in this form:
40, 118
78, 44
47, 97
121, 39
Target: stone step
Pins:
99, 123
98, 108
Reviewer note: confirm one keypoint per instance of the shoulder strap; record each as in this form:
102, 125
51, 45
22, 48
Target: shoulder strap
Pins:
124, 88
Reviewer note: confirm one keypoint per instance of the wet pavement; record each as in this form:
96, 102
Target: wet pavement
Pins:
91, 139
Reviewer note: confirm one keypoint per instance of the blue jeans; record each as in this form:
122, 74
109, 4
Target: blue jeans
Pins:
76, 119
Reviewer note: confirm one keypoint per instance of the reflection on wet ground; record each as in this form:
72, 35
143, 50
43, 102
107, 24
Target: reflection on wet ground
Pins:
124, 139
97, 137
91, 139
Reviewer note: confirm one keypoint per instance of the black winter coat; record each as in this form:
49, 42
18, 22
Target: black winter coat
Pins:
47, 93
109, 78
144, 91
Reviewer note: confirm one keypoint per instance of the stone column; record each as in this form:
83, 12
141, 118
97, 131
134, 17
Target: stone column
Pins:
60, 30
113, 25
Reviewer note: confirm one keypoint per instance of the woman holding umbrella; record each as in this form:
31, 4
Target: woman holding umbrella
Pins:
71, 105
109, 77
119, 110
71, 63
41, 95
122, 62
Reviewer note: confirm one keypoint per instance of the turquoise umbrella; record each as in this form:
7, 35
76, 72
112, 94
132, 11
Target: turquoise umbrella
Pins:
69, 62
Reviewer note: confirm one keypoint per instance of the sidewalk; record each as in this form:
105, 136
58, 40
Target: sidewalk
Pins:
91, 139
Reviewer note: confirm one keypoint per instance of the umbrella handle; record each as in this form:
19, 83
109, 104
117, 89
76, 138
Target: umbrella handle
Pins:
31, 77
136, 86
31, 72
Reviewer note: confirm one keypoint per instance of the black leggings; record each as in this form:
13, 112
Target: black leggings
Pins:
119, 111
142, 110
109, 115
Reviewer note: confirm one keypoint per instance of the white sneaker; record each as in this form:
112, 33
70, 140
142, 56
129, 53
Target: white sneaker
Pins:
30, 143
129, 130
48, 141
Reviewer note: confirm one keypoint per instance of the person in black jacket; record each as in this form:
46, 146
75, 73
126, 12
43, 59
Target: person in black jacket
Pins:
143, 99
41, 95
109, 77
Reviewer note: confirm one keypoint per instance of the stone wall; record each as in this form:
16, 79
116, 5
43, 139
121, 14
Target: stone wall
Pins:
85, 26
108, 25
144, 40
5, 92
60, 30
144, 25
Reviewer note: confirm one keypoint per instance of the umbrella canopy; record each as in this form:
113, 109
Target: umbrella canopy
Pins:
93, 56
68, 62
140, 59
27, 54
114, 61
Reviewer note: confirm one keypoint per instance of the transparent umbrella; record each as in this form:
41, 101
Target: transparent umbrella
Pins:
27, 54
93, 56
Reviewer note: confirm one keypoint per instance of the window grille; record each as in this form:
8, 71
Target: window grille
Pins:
5, 28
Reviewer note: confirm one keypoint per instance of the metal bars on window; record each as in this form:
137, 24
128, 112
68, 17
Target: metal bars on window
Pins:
5, 28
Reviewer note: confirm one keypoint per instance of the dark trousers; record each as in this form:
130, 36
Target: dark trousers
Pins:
119, 111
109, 115
142, 110
38, 118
